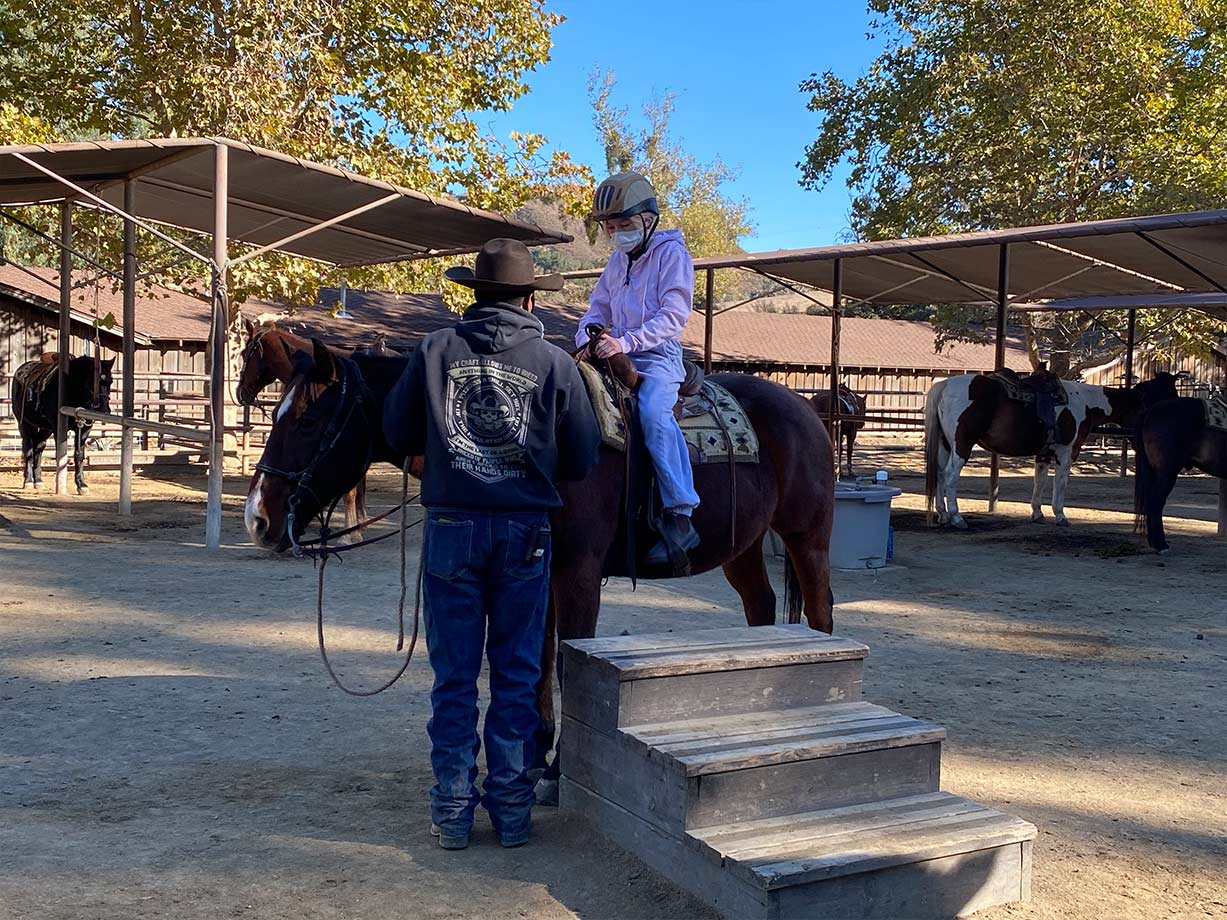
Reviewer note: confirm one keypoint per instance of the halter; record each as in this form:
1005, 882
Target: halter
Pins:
355, 396
255, 345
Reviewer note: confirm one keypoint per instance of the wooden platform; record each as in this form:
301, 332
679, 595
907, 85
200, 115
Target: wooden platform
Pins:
743, 765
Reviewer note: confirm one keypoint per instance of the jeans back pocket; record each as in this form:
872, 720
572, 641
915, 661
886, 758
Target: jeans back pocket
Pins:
449, 547
523, 560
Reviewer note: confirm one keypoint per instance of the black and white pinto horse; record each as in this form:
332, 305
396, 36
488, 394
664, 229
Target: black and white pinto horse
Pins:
36, 402
976, 409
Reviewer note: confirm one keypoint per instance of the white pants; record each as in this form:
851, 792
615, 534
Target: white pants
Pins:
661, 374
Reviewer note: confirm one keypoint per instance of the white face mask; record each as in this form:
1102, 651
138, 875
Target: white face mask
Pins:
626, 240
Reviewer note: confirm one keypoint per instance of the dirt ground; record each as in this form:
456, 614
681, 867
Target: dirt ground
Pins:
170, 745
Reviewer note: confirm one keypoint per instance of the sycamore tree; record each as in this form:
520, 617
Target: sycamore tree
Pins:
388, 88
990, 113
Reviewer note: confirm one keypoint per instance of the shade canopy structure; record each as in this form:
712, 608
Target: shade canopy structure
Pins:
1213, 305
1154, 255
271, 196
226, 191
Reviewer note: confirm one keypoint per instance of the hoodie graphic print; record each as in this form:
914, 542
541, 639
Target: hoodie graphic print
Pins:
489, 405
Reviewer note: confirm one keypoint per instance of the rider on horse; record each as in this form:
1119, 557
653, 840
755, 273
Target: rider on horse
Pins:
644, 298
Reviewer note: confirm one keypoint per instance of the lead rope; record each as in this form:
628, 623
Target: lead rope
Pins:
400, 607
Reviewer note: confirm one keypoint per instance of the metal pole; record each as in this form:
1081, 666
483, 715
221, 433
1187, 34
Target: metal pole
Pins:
1003, 296
837, 296
217, 348
65, 338
129, 350
1130, 338
707, 320
1222, 507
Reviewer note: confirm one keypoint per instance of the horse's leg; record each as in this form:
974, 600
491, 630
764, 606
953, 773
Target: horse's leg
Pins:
811, 561
27, 475
1037, 490
953, 469
37, 445
547, 728
576, 598
78, 460
1065, 463
851, 441
939, 491
748, 576
1156, 500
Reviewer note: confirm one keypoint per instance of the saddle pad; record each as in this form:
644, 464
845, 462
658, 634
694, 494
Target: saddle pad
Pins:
1216, 411
700, 428
1019, 391
35, 375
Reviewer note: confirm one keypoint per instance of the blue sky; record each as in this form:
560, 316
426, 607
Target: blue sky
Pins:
735, 67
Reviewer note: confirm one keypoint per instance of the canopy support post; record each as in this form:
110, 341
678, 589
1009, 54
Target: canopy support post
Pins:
837, 296
1130, 342
708, 300
217, 347
129, 349
65, 338
1003, 298
1222, 507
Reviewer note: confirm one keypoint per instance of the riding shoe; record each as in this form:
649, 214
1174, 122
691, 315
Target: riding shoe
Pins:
676, 530
449, 841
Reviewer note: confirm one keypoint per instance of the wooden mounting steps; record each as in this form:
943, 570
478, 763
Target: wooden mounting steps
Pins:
743, 765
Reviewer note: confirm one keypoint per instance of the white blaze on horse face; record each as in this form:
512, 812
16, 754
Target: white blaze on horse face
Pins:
287, 401
253, 511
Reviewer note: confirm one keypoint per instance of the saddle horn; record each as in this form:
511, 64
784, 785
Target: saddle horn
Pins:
621, 368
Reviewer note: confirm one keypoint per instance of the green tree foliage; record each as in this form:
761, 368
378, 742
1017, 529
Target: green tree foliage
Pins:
991, 113
693, 194
383, 87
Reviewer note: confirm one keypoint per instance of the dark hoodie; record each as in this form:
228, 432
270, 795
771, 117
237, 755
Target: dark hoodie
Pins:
500, 414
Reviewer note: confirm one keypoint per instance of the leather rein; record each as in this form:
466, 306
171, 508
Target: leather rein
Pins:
355, 397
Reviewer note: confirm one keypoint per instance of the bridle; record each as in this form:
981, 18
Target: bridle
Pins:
254, 346
355, 397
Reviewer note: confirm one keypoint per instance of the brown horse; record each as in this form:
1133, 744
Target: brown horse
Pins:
1171, 437
850, 403
268, 357
974, 409
327, 430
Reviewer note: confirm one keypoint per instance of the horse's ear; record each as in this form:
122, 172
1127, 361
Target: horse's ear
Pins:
289, 352
108, 363
325, 368
250, 327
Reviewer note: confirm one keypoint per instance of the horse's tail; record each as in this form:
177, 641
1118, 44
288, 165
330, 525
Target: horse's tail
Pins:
933, 442
794, 599
1143, 480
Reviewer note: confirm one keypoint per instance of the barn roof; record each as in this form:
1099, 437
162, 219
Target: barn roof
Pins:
799, 339
272, 196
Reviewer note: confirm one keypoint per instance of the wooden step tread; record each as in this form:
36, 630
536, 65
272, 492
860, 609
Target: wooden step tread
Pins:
724, 744
798, 849
740, 648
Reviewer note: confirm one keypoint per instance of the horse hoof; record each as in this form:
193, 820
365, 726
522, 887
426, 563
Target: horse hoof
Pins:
83, 490
27, 485
38, 487
1166, 551
1062, 522
547, 793
958, 523
1037, 517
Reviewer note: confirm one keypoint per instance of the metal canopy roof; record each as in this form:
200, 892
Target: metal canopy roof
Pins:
1213, 305
1156, 255
271, 196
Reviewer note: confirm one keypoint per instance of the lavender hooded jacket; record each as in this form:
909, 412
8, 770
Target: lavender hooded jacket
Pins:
648, 306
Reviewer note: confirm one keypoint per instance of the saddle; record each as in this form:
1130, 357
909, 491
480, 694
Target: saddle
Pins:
1028, 389
715, 429
1216, 411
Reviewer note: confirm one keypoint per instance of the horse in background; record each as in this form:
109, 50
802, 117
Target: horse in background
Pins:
267, 358
977, 409
850, 404
1171, 437
36, 403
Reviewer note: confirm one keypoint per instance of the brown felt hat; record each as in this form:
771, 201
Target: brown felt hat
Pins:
504, 267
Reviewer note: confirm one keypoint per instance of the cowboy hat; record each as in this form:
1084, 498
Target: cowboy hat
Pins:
504, 267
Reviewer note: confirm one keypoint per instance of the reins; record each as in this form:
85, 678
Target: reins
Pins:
353, 398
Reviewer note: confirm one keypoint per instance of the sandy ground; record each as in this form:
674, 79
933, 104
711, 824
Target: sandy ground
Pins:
171, 747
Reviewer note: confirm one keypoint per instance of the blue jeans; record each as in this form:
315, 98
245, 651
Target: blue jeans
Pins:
660, 376
482, 584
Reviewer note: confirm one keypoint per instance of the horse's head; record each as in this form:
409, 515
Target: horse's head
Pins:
265, 358
100, 399
318, 449
1128, 405
89, 383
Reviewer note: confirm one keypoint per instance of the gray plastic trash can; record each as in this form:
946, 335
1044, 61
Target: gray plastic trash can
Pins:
862, 525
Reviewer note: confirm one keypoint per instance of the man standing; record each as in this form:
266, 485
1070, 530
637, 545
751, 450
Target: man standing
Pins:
501, 416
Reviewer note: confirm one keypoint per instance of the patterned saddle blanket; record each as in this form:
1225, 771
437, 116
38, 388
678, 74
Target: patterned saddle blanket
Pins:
1022, 389
703, 433
1216, 411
